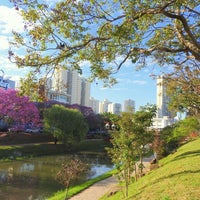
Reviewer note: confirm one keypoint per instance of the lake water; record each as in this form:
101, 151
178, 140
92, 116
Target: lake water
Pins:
34, 178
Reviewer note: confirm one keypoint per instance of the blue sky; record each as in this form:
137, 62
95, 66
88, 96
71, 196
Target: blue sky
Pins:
132, 84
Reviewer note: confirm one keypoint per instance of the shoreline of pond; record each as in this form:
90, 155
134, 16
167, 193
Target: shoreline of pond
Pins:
14, 151
26, 150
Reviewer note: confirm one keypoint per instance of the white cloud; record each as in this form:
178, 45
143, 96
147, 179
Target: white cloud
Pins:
137, 82
10, 69
4, 42
10, 20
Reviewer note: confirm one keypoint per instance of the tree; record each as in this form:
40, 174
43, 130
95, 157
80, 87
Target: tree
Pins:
65, 124
143, 120
69, 172
33, 87
186, 126
101, 31
183, 87
129, 142
110, 120
17, 110
123, 152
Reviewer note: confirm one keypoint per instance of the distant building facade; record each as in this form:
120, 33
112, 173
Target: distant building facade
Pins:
129, 105
94, 104
6, 83
115, 108
162, 99
103, 106
68, 87
164, 116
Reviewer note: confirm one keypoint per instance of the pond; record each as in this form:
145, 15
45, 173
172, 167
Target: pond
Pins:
34, 178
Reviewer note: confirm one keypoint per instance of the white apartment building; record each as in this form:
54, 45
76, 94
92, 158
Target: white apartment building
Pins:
115, 108
68, 87
103, 106
85, 92
6, 83
129, 105
94, 104
162, 99
164, 116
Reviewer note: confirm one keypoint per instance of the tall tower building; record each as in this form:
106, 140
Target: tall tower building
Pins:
76, 87
115, 108
103, 106
68, 87
164, 116
162, 99
129, 105
85, 92
94, 104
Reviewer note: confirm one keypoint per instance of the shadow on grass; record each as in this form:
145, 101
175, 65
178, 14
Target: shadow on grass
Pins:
187, 154
163, 178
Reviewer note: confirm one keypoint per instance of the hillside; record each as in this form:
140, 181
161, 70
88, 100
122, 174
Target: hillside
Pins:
177, 178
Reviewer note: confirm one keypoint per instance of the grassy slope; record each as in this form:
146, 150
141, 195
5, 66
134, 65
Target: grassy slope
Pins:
177, 178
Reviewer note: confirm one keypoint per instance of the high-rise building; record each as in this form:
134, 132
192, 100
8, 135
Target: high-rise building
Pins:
103, 106
115, 108
94, 104
85, 92
162, 99
164, 116
6, 83
129, 105
68, 87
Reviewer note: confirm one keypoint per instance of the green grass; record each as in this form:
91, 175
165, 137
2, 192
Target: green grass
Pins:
60, 195
177, 178
33, 150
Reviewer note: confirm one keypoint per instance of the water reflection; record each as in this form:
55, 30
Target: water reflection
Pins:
26, 167
35, 178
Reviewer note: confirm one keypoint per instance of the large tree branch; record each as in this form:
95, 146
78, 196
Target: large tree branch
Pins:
193, 49
185, 26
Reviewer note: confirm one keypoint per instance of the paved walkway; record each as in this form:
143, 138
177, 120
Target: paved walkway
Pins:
97, 190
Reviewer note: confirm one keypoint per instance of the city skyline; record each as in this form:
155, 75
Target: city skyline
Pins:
132, 84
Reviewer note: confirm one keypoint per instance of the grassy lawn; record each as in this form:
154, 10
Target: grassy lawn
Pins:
177, 178
20, 146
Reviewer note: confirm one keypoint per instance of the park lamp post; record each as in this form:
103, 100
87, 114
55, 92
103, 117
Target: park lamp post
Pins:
109, 126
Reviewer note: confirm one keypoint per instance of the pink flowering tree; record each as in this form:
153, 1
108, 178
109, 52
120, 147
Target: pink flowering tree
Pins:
17, 110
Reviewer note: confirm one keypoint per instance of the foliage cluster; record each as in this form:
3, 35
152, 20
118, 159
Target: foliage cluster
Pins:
67, 125
69, 172
129, 143
171, 137
16, 110
176, 177
107, 34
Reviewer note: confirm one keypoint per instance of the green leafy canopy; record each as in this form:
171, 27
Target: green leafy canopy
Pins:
107, 34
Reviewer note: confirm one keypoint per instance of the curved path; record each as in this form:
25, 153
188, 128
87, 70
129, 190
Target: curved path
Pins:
94, 192
97, 190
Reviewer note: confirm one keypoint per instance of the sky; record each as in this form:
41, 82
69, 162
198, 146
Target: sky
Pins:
132, 84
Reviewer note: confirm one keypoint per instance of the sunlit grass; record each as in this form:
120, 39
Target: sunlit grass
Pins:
177, 178
41, 149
